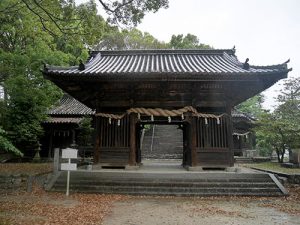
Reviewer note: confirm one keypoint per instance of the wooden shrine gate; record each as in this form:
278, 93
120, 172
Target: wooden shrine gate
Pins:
210, 80
206, 141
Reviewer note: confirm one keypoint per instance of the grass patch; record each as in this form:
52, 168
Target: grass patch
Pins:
274, 166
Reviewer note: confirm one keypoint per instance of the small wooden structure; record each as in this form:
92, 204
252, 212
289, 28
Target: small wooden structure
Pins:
195, 89
62, 127
243, 136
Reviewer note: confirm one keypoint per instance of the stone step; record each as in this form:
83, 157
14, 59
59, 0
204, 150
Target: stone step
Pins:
154, 181
183, 184
166, 184
187, 194
165, 143
184, 191
162, 188
268, 183
122, 174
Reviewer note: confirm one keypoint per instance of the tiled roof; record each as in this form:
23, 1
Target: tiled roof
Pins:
75, 120
240, 116
239, 131
165, 62
70, 106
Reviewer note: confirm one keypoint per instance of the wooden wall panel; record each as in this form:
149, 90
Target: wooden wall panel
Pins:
113, 141
114, 156
212, 142
211, 134
213, 159
114, 135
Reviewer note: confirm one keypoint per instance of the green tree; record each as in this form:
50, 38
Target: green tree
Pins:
131, 12
271, 135
25, 44
252, 106
280, 130
85, 132
136, 39
7, 146
129, 39
62, 17
289, 110
189, 41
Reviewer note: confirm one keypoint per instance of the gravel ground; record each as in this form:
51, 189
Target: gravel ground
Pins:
198, 211
40, 207
48, 208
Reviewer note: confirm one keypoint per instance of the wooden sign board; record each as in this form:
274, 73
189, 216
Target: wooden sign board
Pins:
69, 153
69, 166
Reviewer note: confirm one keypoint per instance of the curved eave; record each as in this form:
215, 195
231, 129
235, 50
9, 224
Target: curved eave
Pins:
71, 114
166, 76
164, 51
63, 120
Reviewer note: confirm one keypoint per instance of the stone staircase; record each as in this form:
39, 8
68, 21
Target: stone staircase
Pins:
162, 142
166, 183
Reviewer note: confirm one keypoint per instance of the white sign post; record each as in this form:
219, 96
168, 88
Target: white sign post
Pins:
69, 153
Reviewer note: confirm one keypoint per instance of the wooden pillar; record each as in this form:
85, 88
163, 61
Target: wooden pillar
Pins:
50, 143
132, 152
193, 134
230, 137
73, 144
139, 134
184, 145
192, 141
97, 141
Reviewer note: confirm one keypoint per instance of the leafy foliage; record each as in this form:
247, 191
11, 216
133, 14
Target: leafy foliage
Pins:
252, 106
280, 130
7, 146
63, 17
189, 41
129, 39
131, 12
271, 134
26, 109
136, 39
289, 110
26, 43
86, 132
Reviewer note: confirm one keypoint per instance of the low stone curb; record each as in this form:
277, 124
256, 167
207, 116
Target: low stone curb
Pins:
291, 178
14, 182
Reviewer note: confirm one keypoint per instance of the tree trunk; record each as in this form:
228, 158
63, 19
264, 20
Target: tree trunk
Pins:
5, 96
278, 155
282, 154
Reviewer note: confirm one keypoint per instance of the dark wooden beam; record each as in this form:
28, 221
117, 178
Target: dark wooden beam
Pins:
193, 134
132, 153
98, 141
229, 136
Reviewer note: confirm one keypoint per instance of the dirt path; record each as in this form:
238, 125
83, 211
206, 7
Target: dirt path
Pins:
41, 208
189, 211
45, 208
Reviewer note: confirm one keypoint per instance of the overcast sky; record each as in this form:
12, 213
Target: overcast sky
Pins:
265, 31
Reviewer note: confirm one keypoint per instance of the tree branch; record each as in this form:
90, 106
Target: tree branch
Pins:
107, 8
52, 19
8, 8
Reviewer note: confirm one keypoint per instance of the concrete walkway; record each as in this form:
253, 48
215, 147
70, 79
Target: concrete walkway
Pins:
166, 166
